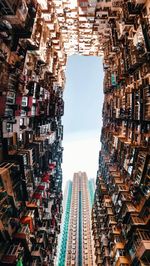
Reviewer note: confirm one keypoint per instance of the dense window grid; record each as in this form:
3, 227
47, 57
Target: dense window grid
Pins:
36, 37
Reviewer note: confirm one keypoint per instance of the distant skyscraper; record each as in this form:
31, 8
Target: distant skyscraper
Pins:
76, 243
62, 243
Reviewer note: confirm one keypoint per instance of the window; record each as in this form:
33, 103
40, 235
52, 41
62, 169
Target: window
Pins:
117, 239
122, 252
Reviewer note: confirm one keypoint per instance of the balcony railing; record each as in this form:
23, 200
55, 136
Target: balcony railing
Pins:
142, 244
8, 7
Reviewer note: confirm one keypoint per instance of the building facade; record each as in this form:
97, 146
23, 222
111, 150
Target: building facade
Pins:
36, 38
76, 245
31, 133
121, 212
62, 241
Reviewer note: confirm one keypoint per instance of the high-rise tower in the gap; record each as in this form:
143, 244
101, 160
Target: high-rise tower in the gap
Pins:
62, 243
76, 243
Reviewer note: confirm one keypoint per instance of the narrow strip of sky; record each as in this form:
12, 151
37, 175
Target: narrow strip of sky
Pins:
82, 120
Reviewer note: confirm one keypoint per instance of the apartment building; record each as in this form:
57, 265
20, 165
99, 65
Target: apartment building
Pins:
76, 246
64, 230
31, 100
36, 38
121, 212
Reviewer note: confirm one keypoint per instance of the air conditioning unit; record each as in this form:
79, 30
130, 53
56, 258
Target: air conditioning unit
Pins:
24, 101
10, 98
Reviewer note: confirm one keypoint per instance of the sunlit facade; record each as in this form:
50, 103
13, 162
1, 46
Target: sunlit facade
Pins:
80, 245
36, 38
63, 238
121, 220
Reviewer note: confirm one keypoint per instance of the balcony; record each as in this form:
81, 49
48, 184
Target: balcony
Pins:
97, 244
28, 219
118, 245
125, 196
105, 252
103, 189
37, 255
41, 238
6, 178
122, 188
115, 230
135, 222
135, 8
111, 221
145, 29
20, 15
109, 211
141, 165
12, 254
122, 261
126, 210
8, 7
142, 245
146, 103
98, 259
23, 236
